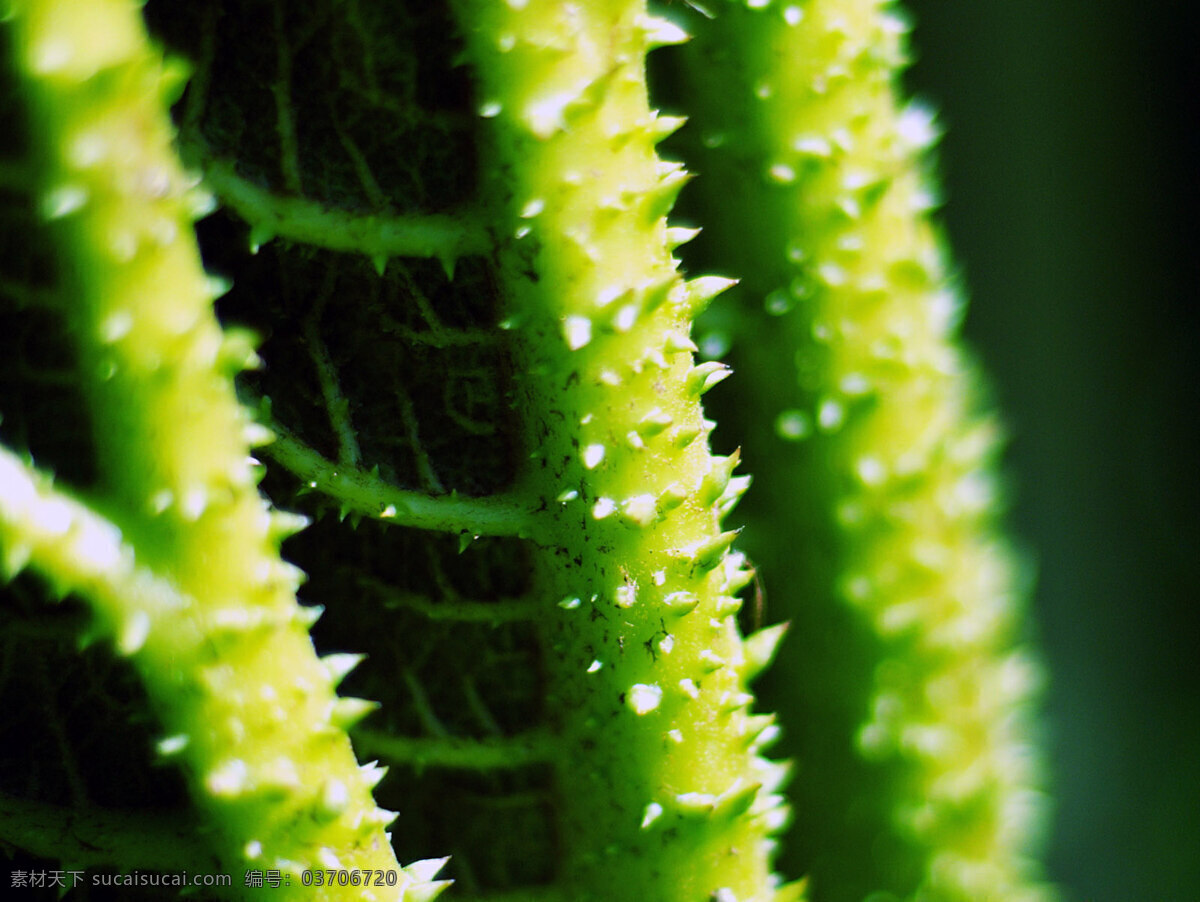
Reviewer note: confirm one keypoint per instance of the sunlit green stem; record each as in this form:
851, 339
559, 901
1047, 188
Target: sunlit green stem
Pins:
661, 794
875, 515
226, 659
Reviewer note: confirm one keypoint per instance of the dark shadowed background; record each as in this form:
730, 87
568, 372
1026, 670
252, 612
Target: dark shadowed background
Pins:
1068, 168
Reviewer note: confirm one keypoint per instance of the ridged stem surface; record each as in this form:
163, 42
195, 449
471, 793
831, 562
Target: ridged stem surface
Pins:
874, 520
248, 708
657, 763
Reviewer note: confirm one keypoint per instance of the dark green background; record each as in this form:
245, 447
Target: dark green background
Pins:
1068, 171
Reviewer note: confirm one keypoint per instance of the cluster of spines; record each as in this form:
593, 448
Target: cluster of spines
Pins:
715, 489
854, 269
660, 762
224, 652
131, 343
77, 550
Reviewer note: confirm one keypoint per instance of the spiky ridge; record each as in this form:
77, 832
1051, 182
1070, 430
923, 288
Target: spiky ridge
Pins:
890, 495
213, 627
655, 752
661, 792
658, 789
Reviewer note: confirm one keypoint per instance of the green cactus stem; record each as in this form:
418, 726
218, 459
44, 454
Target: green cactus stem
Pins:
483, 377
877, 529
216, 633
661, 792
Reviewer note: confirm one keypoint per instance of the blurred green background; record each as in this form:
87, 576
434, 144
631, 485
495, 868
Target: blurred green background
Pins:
1068, 174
